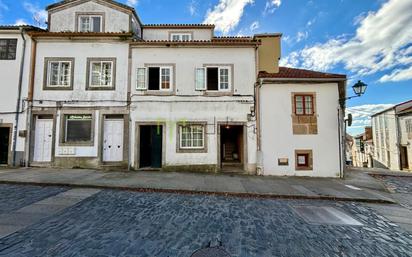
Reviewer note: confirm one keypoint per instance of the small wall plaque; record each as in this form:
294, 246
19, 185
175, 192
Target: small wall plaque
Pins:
283, 162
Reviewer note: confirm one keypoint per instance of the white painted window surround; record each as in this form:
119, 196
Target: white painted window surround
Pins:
180, 36
224, 78
90, 23
192, 137
165, 78
101, 74
59, 73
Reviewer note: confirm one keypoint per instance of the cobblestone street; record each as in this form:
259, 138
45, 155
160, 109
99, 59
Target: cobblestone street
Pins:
123, 223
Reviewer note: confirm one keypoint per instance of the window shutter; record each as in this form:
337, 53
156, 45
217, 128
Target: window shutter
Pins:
200, 79
141, 79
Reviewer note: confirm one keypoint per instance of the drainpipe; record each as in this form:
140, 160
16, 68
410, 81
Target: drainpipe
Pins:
259, 160
16, 124
30, 101
398, 140
342, 144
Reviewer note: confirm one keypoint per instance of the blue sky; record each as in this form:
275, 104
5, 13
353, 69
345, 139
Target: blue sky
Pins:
369, 40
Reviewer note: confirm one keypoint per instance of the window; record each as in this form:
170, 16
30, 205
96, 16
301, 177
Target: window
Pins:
304, 105
158, 78
59, 74
101, 74
180, 36
192, 137
90, 23
408, 124
303, 160
78, 128
8, 49
213, 78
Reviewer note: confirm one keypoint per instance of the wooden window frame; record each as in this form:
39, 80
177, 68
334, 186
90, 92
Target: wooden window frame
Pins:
8, 46
161, 67
89, 74
304, 104
308, 154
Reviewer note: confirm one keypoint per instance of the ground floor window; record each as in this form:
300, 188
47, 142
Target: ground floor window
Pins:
78, 128
192, 137
304, 159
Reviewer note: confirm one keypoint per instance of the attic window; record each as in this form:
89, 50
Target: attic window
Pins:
90, 23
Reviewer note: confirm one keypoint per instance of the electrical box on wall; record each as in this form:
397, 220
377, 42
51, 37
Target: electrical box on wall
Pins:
283, 162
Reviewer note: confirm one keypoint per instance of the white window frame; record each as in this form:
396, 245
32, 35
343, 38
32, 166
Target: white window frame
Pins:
171, 76
59, 74
180, 35
91, 25
101, 73
145, 77
229, 68
191, 132
197, 82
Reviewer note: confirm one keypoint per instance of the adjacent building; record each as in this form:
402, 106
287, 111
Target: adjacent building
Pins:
100, 89
392, 137
362, 149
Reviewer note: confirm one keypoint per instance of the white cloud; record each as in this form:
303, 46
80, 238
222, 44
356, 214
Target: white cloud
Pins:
301, 36
361, 114
254, 26
132, 2
39, 15
226, 14
192, 7
382, 42
20, 22
271, 6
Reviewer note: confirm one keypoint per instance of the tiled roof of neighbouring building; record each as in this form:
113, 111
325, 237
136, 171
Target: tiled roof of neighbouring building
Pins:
293, 73
17, 27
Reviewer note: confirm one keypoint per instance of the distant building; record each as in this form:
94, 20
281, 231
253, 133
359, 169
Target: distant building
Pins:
392, 137
362, 149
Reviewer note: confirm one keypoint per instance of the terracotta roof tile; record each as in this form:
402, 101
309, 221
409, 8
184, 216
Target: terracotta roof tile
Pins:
293, 73
17, 27
214, 41
194, 25
79, 34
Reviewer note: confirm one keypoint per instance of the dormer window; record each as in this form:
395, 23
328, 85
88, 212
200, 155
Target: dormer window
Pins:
90, 23
180, 36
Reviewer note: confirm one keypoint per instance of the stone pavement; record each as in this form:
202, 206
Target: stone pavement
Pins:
356, 187
130, 224
22, 207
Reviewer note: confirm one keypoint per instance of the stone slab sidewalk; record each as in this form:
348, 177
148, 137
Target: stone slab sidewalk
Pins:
357, 186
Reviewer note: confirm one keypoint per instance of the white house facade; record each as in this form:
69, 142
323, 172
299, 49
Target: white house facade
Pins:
104, 90
392, 137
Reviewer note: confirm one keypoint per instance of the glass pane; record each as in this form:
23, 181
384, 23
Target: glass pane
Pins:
141, 78
107, 74
302, 160
308, 105
165, 73
65, 74
54, 74
185, 37
200, 79
224, 79
175, 37
78, 130
96, 24
96, 74
299, 105
84, 24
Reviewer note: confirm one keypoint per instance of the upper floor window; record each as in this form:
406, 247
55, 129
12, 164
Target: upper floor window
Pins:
304, 105
58, 73
155, 78
214, 78
101, 73
8, 49
180, 36
90, 23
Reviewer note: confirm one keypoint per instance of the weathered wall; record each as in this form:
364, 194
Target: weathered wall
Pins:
65, 20
269, 53
278, 140
385, 139
80, 51
9, 74
164, 34
190, 105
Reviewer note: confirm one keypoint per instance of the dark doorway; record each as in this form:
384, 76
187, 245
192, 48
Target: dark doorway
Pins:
4, 145
404, 158
231, 147
151, 146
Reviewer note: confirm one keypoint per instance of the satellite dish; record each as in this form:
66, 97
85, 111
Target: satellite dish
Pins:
349, 119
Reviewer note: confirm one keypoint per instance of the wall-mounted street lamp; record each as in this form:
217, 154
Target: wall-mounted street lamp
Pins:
359, 89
